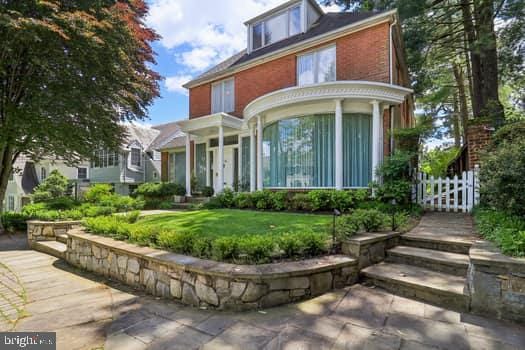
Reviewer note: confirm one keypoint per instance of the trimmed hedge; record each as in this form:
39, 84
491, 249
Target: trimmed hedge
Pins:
506, 230
254, 249
314, 201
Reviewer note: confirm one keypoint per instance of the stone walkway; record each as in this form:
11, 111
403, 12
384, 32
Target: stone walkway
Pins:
91, 313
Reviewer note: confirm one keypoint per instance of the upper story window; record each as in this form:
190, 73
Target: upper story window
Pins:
104, 159
82, 173
223, 96
276, 28
135, 156
317, 66
43, 174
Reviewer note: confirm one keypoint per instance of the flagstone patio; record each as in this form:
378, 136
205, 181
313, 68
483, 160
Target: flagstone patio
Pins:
89, 313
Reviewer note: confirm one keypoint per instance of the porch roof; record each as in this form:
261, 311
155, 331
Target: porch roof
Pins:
208, 125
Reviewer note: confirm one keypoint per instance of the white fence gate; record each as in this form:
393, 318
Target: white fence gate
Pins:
448, 194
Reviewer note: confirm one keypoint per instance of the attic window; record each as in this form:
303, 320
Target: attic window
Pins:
276, 28
135, 156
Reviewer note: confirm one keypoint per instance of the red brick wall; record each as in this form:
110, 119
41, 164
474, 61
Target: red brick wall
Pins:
360, 56
478, 138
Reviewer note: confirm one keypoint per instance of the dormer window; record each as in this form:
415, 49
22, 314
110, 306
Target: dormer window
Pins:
277, 27
135, 156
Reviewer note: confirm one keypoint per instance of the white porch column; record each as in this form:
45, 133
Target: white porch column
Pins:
338, 144
253, 165
207, 165
220, 180
259, 152
376, 138
188, 165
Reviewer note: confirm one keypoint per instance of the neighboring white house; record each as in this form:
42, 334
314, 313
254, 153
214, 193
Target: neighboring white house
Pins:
136, 162
28, 174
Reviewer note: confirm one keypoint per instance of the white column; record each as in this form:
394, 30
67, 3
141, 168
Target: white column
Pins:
253, 165
188, 165
220, 180
207, 165
259, 152
338, 144
376, 138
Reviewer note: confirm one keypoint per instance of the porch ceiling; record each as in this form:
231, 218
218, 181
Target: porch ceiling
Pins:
209, 125
355, 90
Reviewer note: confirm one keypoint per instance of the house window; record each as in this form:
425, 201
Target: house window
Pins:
276, 28
43, 174
11, 203
82, 173
104, 159
223, 96
317, 66
228, 140
135, 156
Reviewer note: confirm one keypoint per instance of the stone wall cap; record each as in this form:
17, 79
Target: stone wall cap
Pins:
486, 253
216, 268
41, 222
371, 237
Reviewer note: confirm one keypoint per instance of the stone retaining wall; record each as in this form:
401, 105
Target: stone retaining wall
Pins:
369, 248
207, 283
48, 230
496, 282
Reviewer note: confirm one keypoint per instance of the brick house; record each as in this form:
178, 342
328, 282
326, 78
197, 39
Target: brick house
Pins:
308, 104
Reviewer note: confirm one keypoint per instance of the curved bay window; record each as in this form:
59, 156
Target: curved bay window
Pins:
300, 152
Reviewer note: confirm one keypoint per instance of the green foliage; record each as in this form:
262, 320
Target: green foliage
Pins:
346, 226
244, 200
225, 199
301, 202
395, 173
502, 177
291, 244
132, 217
506, 230
258, 249
436, 161
263, 199
166, 205
14, 222
371, 220
314, 243
208, 191
53, 187
179, 242
279, 200
510, 133
96, 192
112, 226
162, 190
226, 248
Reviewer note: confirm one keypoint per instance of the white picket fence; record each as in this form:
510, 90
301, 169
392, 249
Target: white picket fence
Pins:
458, 194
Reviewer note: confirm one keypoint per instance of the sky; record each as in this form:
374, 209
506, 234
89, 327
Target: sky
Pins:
196, 35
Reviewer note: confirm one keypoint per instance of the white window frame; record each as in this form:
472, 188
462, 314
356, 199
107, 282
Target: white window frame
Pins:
78, 173
222, 83
43, 174
315, 53
288, 10
11, 205
131, 160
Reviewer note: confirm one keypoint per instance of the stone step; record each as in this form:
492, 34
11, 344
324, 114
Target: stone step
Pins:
57, 249
443, 242
437, 288
446, 262
62, 238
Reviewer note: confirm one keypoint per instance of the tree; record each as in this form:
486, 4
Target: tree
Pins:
53, 187
70, 73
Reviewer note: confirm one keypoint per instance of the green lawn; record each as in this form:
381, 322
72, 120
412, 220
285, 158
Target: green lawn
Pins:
221, 222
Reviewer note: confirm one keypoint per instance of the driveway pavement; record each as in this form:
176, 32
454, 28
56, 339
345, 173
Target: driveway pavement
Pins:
40, 293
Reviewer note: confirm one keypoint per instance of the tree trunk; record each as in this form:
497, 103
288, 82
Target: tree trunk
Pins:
6, 167
475, 59
455, 121
492, 106
462, 99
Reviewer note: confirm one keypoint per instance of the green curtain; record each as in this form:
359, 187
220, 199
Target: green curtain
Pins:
299, 152
245, 164
200, 165
357, 150
180, 168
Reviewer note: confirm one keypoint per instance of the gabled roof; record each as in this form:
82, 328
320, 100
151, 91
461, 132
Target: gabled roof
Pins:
141, 134
168, 132
327, 23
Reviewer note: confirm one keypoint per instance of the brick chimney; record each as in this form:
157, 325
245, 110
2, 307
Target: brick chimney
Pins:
478, 138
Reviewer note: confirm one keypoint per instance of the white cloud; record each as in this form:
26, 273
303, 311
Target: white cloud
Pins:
174, 83
209, 30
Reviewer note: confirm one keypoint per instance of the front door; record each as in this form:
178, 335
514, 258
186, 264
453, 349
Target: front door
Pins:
229, 167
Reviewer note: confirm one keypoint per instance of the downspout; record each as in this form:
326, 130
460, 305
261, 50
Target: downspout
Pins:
391, 63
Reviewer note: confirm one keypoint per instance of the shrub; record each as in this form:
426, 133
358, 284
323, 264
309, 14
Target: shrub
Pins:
179, 242
95, 193
61, 203
225, 248
300, 202
346, 226
320, 200
165, 205
262, 199
314, 243
14, 221
371, 220
113, 226
132, 217
208, 191
120, 203
395, 172
54, 186
202, 247
279, 200
506, 230
225, 199
244, 200
258, 249
162, 190
502, 177
291, 244
141, 235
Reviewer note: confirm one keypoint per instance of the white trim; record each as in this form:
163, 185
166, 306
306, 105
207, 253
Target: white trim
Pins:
210, 121
364, 90
222, 83
339, 144
303, 45
260, 130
